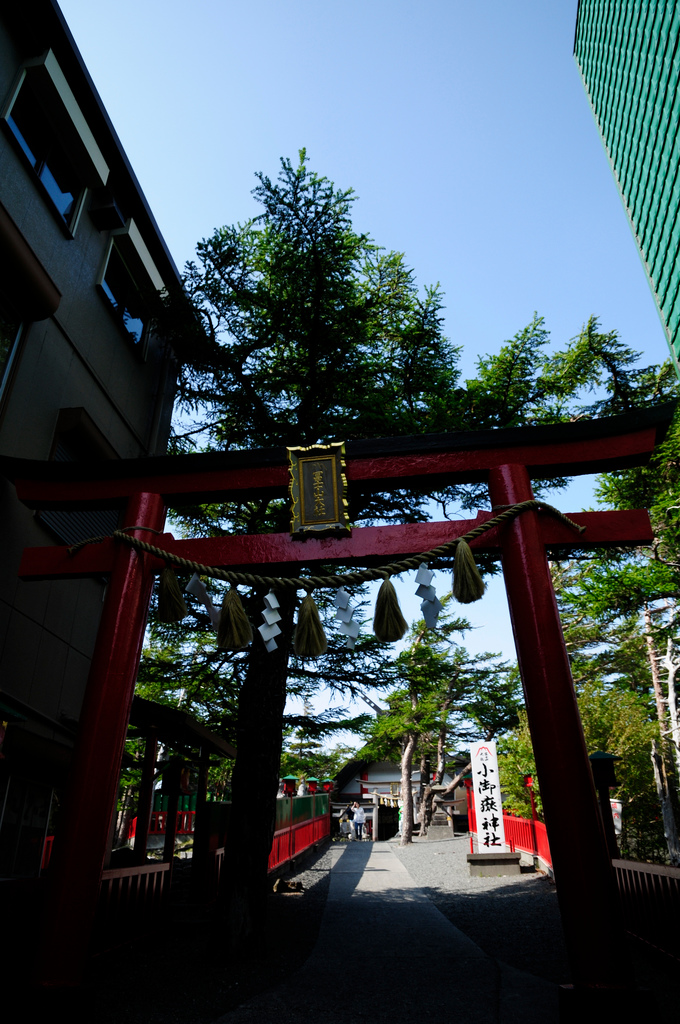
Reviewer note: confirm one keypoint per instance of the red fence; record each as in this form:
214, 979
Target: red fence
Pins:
158, 823
527, 836
293, 839
300, 823
521, 834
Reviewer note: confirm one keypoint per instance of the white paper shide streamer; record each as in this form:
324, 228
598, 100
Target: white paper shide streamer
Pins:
271, 615
343, 614
431, 605
196, 588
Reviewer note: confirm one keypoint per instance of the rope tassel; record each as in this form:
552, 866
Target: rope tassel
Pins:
388, 622
234, 630
468, 585
171, 606
310, 639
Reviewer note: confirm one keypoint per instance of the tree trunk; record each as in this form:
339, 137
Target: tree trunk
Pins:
455, 781
255, 784
654, 658
407, 749
668, 817
441, 756
671, 665
659, 756
124, 818
425, 809
425, 794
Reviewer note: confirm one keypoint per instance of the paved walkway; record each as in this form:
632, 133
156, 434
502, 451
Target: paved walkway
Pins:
385, 953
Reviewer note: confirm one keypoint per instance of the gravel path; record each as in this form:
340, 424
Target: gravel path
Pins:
514, 918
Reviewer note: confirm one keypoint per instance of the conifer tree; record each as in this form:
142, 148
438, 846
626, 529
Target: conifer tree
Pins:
300, 330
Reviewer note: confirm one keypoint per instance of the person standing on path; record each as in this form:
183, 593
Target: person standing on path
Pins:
359, 819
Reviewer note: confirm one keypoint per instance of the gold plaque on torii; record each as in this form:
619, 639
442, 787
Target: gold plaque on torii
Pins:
318, 490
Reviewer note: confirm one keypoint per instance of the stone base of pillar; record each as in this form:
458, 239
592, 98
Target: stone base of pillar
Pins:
485, 865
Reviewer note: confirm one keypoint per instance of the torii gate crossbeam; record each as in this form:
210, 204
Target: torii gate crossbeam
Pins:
507, 460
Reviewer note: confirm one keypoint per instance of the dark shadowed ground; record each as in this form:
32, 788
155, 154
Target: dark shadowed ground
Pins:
181, 975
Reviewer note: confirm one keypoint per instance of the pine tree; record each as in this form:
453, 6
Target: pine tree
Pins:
300, 330
444, 697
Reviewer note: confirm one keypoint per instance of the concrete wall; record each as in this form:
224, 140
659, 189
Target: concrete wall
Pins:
78, 358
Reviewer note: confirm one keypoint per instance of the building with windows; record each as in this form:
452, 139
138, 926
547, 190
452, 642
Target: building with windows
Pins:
628, 57
82, 376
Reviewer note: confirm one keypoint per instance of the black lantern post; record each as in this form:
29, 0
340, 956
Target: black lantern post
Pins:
605, 779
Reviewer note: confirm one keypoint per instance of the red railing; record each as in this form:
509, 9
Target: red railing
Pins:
520, 833
523, 834
295, 835
542, 844
293, 839
527, 836
158, 823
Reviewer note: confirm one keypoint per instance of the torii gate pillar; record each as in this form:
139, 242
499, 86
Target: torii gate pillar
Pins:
93, 786
507, 460
588, 901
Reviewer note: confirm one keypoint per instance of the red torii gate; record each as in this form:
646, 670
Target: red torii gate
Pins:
507, 460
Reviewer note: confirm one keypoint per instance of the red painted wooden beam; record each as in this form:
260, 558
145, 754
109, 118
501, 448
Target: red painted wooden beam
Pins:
368, 546
476, 463
176, 489
420, 463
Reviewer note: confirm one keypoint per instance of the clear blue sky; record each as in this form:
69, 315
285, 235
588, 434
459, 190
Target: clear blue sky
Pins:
463, 128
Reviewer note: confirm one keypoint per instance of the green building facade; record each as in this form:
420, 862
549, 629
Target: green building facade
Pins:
628, 55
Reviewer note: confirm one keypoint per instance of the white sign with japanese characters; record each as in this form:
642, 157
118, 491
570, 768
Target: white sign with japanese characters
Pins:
487, 791
617, 811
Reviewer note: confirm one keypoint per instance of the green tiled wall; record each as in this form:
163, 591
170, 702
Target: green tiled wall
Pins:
629, 57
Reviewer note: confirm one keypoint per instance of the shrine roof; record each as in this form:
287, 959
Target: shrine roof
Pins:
176, 728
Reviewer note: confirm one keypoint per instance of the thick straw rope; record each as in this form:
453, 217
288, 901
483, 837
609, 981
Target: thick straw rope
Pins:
310, 583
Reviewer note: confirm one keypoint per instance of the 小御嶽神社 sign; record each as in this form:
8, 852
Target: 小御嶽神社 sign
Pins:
487, 793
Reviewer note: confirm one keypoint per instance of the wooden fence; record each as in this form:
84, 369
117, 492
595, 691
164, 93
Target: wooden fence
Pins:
131, 901
650, 899
649, 893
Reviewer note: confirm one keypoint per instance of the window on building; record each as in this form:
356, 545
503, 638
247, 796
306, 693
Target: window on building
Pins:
40, 143
43, 117
10, 330
24, 818
122, 291
77, 439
